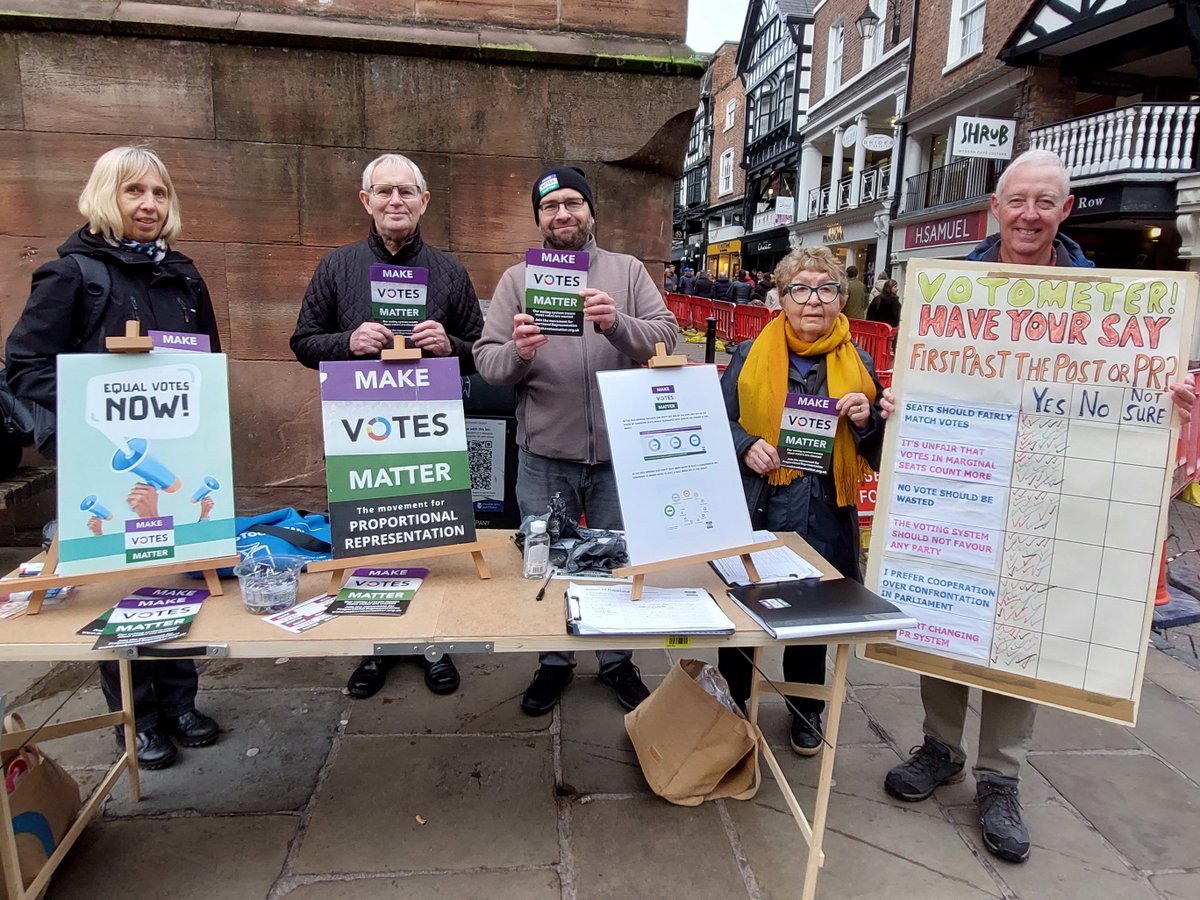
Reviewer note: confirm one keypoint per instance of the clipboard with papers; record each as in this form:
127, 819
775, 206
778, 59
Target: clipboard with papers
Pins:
608, 609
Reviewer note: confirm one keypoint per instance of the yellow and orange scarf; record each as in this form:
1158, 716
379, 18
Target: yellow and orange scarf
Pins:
763, 387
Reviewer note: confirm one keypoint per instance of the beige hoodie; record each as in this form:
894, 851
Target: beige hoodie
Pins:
558, 402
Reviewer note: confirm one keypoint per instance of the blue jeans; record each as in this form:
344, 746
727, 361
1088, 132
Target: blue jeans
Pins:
588, 490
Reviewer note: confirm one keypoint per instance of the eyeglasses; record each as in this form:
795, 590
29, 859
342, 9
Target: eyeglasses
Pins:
385, 191
551, 208
826, 293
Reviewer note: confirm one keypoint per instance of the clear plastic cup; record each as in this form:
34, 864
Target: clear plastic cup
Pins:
269, 583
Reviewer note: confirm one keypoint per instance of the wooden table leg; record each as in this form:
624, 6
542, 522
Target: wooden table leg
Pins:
135, 787
13, 881
825, 782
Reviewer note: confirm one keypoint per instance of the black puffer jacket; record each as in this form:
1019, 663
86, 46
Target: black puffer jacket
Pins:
338, 299
168, 296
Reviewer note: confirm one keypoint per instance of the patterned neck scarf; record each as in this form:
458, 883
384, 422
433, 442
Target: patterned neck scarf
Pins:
156, 250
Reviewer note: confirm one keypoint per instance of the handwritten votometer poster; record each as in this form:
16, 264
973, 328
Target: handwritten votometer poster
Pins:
1022, 510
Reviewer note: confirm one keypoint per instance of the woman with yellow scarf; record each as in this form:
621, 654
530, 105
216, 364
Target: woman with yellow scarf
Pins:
806, 350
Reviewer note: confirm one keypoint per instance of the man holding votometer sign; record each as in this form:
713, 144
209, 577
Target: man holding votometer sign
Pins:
1032, 199
364, 294
560, 425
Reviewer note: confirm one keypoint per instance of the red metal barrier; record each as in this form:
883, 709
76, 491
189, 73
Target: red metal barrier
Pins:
699, 309
878, 339
748, 321
678, 305
723, 311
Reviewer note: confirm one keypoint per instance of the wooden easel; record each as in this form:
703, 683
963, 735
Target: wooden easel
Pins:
133, 341
400, 351
660, 360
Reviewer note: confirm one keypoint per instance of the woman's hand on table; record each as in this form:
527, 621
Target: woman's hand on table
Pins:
761, 458
856, 407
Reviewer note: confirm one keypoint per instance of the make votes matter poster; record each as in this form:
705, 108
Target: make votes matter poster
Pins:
1022, 512
677, 475
145, 468
396, 462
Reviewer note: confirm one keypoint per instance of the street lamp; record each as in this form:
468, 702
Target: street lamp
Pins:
869, 21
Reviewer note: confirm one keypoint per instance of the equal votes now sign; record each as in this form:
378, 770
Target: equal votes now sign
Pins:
396, 463
553, 282
145, 470
1022, 514
398, 296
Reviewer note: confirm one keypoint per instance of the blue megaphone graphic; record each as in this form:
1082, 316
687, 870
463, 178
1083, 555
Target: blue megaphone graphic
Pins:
207, 486
93, 507
146, 466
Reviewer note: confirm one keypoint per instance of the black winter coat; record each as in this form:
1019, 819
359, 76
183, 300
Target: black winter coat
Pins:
722, 288
703, 287
167, 296
807, 506
338, 299
741, 291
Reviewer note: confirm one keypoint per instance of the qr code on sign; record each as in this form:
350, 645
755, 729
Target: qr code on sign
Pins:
479, 456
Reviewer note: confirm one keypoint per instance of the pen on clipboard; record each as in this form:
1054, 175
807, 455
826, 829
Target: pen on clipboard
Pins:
542, 590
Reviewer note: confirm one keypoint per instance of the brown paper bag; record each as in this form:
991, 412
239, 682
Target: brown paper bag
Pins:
44, 803
691, 748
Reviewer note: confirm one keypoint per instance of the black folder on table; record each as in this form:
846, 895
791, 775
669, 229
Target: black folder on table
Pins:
812, 608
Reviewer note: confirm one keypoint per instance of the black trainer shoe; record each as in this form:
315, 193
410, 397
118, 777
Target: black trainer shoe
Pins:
154, 749
192, 729
369, 677
545, 689
806, 738
441, 677
626, 679
1004, 831
929, 767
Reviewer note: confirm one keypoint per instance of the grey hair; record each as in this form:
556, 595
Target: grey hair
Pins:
392, 159
1037, 158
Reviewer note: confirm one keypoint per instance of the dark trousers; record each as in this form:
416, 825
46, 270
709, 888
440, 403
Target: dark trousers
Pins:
161, 687
804, 664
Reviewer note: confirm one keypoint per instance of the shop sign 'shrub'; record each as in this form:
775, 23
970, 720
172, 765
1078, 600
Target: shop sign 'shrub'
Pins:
396, 462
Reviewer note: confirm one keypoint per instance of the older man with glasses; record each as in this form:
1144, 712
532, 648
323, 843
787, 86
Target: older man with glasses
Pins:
337, 321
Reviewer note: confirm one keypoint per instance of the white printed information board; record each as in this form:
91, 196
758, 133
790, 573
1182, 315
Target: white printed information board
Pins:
677, 475
1022, 511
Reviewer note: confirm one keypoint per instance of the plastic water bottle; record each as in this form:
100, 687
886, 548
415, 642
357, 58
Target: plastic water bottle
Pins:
537, 550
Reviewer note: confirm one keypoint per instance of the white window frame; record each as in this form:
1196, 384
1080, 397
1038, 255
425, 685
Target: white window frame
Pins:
725, 182
873, 49
834, 61
966, 23
730, 114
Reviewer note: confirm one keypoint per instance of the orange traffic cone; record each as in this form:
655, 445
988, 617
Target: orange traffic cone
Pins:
1162, 598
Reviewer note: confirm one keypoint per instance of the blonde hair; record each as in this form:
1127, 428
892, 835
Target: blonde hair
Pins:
810, 259
392, 159
118, 166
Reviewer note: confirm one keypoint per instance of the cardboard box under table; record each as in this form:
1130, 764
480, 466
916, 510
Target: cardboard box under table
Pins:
454, 612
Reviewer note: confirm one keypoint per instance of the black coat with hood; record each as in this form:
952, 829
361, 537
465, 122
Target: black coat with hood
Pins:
168, 296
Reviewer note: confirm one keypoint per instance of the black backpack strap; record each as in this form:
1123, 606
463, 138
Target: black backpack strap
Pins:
97, 283
295, 538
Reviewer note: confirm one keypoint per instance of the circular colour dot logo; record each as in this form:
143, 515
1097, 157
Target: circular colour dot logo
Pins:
379, 429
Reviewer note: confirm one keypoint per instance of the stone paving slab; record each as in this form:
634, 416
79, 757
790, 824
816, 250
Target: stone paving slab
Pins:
863, 672
16, 677
488, 700
487, 801
873, 847
182, 859
93, 749
1068, 859
290, 733
329, 672
649, 848
1185, 886
1172, 675
1147, 811
531, 885
597, 756
1171, 728
898, 711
